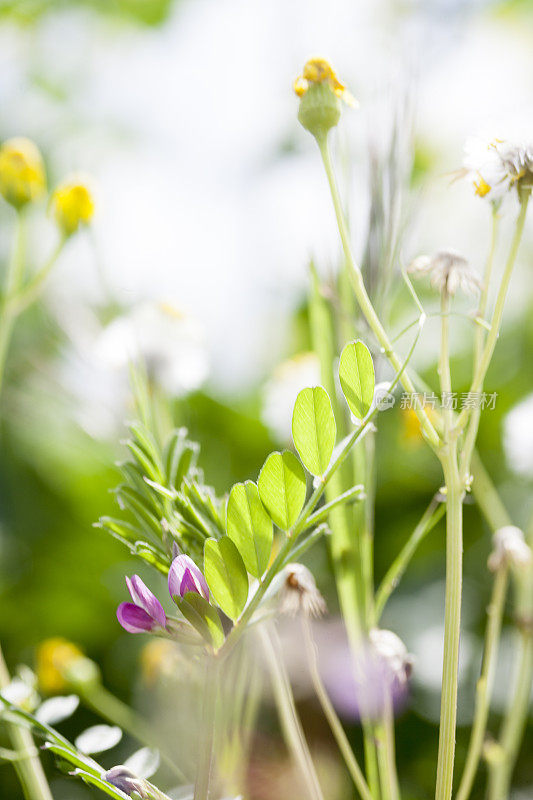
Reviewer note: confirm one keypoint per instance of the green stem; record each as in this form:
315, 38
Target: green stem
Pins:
29, 293
515, 719
386, 750
205, 759
433, 513
361, 294
485, 683
27, 764
452, 621
290, 721
14, 277
492, 337
329, 712
479, 339
454, 570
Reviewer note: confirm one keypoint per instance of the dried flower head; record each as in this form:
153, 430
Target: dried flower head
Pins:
22, 177
448, 271
299, 593
72, 204
496, 166
510, 548
124, 779
392, 654
319, 90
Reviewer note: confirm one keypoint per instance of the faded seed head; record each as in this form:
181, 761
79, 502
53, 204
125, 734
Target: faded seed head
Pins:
510, 548
448, 271
299, 593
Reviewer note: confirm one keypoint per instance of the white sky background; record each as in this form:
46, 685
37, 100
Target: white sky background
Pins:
183, 125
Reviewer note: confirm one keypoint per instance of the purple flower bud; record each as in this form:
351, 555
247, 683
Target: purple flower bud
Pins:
124, 779
184, 576
145, 613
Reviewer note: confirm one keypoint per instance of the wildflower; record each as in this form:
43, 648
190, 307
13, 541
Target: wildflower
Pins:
497, 166
145, 613
510, 548
184, 576
124, 779
392, 655
449, 271
319, 90
61, 665
72, 204
299, 593
22, 177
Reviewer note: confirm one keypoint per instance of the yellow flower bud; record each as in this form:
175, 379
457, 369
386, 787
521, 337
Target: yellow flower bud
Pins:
22, 177
56, 657
319, 91
72, 205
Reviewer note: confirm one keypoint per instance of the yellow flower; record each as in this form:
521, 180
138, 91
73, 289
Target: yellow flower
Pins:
319, 71
54, 658
72, 205
22, 177
482, 187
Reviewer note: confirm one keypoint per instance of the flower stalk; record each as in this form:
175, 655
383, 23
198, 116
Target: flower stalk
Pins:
25, 757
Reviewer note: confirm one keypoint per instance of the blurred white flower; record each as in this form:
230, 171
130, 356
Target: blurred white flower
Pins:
496, 166
168, 343
510, 547
518, 437
280, 392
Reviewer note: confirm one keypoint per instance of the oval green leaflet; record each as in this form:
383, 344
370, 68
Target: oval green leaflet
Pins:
314, 429
226, 575
249, 527
356, 373
282, 488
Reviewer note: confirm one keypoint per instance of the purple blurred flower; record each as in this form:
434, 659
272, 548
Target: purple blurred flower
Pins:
184, 576
124, 779
145, 613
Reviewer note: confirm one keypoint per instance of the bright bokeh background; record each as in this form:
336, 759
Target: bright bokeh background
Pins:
210, 203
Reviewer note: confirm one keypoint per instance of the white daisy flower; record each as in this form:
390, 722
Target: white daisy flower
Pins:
496, 166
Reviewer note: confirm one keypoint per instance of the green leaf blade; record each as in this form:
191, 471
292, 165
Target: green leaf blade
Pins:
356, 373
282, 488
226, 576
249, 527
313, 429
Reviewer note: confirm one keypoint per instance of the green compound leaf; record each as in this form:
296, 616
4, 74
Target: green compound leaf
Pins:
203, 617
226, 576
282, 488
314, 429
356, 373
249, 527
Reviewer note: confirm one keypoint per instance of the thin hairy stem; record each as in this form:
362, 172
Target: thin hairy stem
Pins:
331, 715
205, 758
289, 718
433, 513
361, 294
492, 337
485, 682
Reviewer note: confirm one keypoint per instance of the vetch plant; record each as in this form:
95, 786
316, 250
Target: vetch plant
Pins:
232, 563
